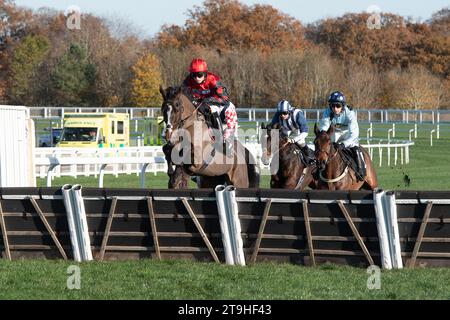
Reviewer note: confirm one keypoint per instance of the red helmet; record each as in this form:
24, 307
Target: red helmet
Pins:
198, 65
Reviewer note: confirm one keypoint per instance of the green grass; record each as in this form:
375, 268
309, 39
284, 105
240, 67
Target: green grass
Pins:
428, 169
187, 280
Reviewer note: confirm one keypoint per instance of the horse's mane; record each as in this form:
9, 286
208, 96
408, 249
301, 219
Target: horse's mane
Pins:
173, 92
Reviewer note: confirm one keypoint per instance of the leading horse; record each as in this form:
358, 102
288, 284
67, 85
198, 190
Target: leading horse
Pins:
200, 150
335, 171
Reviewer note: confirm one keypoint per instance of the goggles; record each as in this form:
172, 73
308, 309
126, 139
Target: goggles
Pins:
198, 74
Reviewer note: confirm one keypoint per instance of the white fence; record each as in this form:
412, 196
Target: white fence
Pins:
74, 162
265, 114
57, 162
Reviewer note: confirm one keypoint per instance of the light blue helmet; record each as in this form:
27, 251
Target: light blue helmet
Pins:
284, 106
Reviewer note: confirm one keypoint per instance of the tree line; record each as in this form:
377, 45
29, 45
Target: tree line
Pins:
262, 54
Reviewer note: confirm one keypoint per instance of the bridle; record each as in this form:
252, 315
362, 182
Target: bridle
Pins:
181, 123
329, 156
265, 150
329, 159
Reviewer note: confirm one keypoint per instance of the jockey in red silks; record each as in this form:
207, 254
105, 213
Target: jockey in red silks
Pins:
208, 90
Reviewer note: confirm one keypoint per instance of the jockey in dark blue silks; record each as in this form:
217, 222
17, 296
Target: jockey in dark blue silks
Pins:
346, 134
293, 125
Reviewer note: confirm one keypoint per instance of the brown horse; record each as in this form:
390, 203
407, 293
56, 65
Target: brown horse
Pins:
292, 173
201, 153
334, 172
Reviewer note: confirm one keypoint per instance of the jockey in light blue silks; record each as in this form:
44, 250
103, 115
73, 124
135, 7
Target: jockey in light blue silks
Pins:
346, 129
293, 125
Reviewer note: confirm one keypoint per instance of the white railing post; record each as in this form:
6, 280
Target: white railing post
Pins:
431, 137
389, 135
380, 152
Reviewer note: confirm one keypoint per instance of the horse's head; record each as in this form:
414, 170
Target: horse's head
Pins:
324, 146
172, 110
266, 143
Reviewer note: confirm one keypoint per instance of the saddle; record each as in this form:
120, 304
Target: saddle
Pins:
303, 157
350, 159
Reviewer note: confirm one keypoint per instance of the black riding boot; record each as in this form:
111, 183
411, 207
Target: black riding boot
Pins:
360, 162
216, 122
309, 155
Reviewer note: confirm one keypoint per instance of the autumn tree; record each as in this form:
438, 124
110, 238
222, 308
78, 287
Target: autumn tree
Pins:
28, 58
320, 75
362, 85
229, 24
14, 26
416, 88
146, 82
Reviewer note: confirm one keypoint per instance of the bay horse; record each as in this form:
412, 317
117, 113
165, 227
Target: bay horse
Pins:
335, 173
185, 125
292, 173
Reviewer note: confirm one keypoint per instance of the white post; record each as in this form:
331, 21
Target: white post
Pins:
389, 153
393, 130
101, 175
396, 155
380, 152
402, 152
431, 137
407, 154
267, 115
143, 170
438, 133
415, 131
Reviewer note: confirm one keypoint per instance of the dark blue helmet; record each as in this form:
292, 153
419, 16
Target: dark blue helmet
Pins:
284, 106
337, 97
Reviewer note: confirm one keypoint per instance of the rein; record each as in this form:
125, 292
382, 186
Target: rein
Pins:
180, 124
285, 145
342, 176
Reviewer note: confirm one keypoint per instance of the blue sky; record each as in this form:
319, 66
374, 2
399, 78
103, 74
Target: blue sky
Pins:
149, 16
